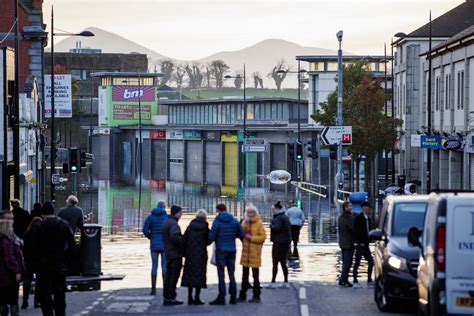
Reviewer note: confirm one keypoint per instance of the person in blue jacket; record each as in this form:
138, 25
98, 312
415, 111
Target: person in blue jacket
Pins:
225, 230
152, 229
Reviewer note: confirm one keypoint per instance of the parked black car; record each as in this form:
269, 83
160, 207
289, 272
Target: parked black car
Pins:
395, 261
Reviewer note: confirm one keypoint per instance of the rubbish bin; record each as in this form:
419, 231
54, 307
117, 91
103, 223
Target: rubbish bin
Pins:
91, 249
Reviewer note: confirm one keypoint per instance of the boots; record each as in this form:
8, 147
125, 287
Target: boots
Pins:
197, 300
190, 296
153, 285
14, 310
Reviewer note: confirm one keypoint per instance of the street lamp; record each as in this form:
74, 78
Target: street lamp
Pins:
140, 164
244, 178
338, 178
53, 134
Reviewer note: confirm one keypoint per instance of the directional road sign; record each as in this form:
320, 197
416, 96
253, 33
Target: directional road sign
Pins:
336, 135
255, 148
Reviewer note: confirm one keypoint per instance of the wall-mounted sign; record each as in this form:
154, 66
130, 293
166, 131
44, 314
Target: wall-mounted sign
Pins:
158, 134
62, 96
430, 141
453, 142
131, 112
195, 135
133, 94
229, 137
174, 134
415, 140
212, 136
255, 141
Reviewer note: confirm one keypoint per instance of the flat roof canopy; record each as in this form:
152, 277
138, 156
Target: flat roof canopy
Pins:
320, 58
127, 74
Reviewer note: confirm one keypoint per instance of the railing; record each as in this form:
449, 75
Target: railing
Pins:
342, 196
317, 189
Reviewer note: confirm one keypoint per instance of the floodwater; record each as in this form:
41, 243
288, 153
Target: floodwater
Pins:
120, 209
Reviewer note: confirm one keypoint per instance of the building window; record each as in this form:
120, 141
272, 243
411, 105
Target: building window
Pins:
437, 94
460, 90
250, 111
401, 55
447, 92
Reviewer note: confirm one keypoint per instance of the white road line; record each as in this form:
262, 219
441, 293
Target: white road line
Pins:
302, 293
304, 310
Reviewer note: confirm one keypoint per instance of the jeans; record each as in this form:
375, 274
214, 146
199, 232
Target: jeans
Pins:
154, 262
173, 270
246, 283
52, 287
226, 260
363, 251
347, 255
280, 256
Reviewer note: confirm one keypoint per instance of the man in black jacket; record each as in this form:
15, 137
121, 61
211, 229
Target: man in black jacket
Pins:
346, 242
362, 227
21, 218
54, 241
173, 240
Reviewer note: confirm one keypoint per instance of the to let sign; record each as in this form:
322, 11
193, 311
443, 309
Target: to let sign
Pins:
336, 135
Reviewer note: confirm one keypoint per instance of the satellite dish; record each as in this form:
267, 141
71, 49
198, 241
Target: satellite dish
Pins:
279, 177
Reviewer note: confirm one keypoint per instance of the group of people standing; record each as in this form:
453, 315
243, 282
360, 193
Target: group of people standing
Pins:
168, 243
354, 243
36, 245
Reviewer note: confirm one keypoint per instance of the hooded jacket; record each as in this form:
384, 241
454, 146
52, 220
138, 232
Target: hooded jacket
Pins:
153, 228
252, 249
225, 229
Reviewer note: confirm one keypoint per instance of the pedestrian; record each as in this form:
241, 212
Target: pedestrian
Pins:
362, 225
280, 235
153, 230
11, 267
31, 257
225, 230
72, 214
296, 216
21, 218
54, 242
173, 241
254, 237
196, 240
36, 211
346, 241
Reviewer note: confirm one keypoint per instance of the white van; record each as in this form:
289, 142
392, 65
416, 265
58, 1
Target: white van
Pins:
446, 269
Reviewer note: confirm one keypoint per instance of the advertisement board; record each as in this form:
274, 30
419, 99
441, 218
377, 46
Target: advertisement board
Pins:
430, 141
130, 112
133, 94
62, 96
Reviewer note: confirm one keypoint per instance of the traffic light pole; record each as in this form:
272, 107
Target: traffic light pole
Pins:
338, 177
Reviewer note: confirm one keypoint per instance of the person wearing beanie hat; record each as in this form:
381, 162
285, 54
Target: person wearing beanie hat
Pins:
153, 230
174, 246
54, 244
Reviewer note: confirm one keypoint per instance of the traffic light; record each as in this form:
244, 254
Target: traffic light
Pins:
74, 160
83, 159
333, 151
299, 150
311, 149
298, 203
291, 152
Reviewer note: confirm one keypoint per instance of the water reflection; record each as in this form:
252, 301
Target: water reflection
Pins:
114, 204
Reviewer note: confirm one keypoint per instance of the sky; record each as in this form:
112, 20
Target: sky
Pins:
193, 29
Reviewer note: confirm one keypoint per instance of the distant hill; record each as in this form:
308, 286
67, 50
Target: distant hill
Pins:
260, 57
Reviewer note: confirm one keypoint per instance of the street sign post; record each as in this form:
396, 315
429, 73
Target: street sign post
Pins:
55, 178
336, 135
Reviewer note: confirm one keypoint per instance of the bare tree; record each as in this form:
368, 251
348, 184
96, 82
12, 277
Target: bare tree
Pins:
238, 82
277, 74
167, 67
195, 75
208, 76
179, 75
257, 80
218, 69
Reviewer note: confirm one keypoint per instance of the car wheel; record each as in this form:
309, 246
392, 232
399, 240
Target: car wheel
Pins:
384, 303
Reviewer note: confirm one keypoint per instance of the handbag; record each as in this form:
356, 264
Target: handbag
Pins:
213, 256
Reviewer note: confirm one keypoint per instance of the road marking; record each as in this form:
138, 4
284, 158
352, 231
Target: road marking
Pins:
304, 310
302, 293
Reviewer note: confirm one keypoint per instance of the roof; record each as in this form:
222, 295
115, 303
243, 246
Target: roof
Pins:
450, 23
127, 74
408, 198
315, 58
461, 38
230, 100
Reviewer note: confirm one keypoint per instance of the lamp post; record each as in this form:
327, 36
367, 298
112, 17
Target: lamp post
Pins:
53, 132
338, 177
140, 140
299, 72
244, 178
428, 163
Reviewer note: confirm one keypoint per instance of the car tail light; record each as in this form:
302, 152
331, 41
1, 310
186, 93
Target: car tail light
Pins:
440, 248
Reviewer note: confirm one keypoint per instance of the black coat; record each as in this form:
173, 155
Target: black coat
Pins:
196, 241
21, 221
346, 230
172, 239
280, 228
361, 235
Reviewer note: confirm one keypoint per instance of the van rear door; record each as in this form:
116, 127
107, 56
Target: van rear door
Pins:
460, 254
